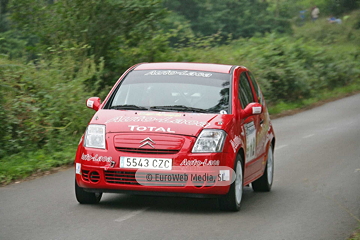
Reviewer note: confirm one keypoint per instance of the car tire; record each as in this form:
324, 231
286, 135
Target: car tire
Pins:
232, 200
264, 183
84, 197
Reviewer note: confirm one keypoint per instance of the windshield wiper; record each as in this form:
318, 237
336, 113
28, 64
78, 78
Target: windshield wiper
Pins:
178, 108
128, 107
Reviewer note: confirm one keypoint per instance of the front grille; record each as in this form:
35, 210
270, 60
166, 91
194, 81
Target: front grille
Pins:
157, 143
121, 177
147, 151
90, 176
85, 175
94, 177
129, 178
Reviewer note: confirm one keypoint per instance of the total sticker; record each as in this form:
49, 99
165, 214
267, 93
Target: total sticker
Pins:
78, 168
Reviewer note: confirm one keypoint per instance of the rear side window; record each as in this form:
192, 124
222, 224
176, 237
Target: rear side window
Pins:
257, 88
245, 92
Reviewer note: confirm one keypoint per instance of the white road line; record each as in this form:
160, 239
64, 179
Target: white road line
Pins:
307, 136
281, 146
130, 215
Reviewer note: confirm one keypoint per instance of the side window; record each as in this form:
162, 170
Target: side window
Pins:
257, 88
245, 93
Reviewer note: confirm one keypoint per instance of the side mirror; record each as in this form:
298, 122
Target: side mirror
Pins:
93, 103
252, 109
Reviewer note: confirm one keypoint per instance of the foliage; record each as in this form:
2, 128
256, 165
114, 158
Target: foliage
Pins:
228, 17
355, 235
24, 164
11, 46
43, 102
331, 33
4, 25
339, 7
295, 70
299, 12
282, 107
289, 70
101, 25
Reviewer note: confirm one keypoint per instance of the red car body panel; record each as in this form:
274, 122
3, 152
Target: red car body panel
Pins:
175, 134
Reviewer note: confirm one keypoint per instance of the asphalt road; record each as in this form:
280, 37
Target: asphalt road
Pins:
316, 195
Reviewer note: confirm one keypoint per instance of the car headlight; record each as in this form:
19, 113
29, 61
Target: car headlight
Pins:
95, 136
209, 140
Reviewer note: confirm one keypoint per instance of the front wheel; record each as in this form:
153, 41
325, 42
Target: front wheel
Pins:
232, 200
264, 183
84, 197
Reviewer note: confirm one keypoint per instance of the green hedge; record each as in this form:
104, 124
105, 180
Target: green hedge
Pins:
43, 103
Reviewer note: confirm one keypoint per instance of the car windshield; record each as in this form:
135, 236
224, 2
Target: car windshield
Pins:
173, 90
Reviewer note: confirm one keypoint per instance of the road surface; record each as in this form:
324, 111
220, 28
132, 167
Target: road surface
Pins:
316, 195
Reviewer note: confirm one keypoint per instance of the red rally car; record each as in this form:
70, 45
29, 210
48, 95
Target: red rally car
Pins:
181, 129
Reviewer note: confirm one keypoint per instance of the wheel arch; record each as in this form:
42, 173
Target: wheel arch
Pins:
273, 143
241, 152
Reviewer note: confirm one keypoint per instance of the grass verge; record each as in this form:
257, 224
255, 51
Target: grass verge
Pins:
355, 235
26, 165
283, 109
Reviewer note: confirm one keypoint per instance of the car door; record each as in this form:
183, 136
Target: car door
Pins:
264, 119
250, 126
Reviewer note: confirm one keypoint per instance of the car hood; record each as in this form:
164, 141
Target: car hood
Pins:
191, 124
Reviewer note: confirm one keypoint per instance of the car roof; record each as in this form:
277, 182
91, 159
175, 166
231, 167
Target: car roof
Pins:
210, 67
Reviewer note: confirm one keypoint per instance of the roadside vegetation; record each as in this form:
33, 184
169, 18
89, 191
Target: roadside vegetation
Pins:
56, 54
355, 235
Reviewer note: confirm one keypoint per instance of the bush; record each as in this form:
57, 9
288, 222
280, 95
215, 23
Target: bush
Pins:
296, 69
11, 46
330, 33
44, 102
288, 69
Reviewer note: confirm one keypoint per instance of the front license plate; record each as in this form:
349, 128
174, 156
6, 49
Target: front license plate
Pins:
146, 163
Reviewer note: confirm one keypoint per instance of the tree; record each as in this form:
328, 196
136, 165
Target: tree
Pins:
239, 18
101, 26
342, 6
4, 25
